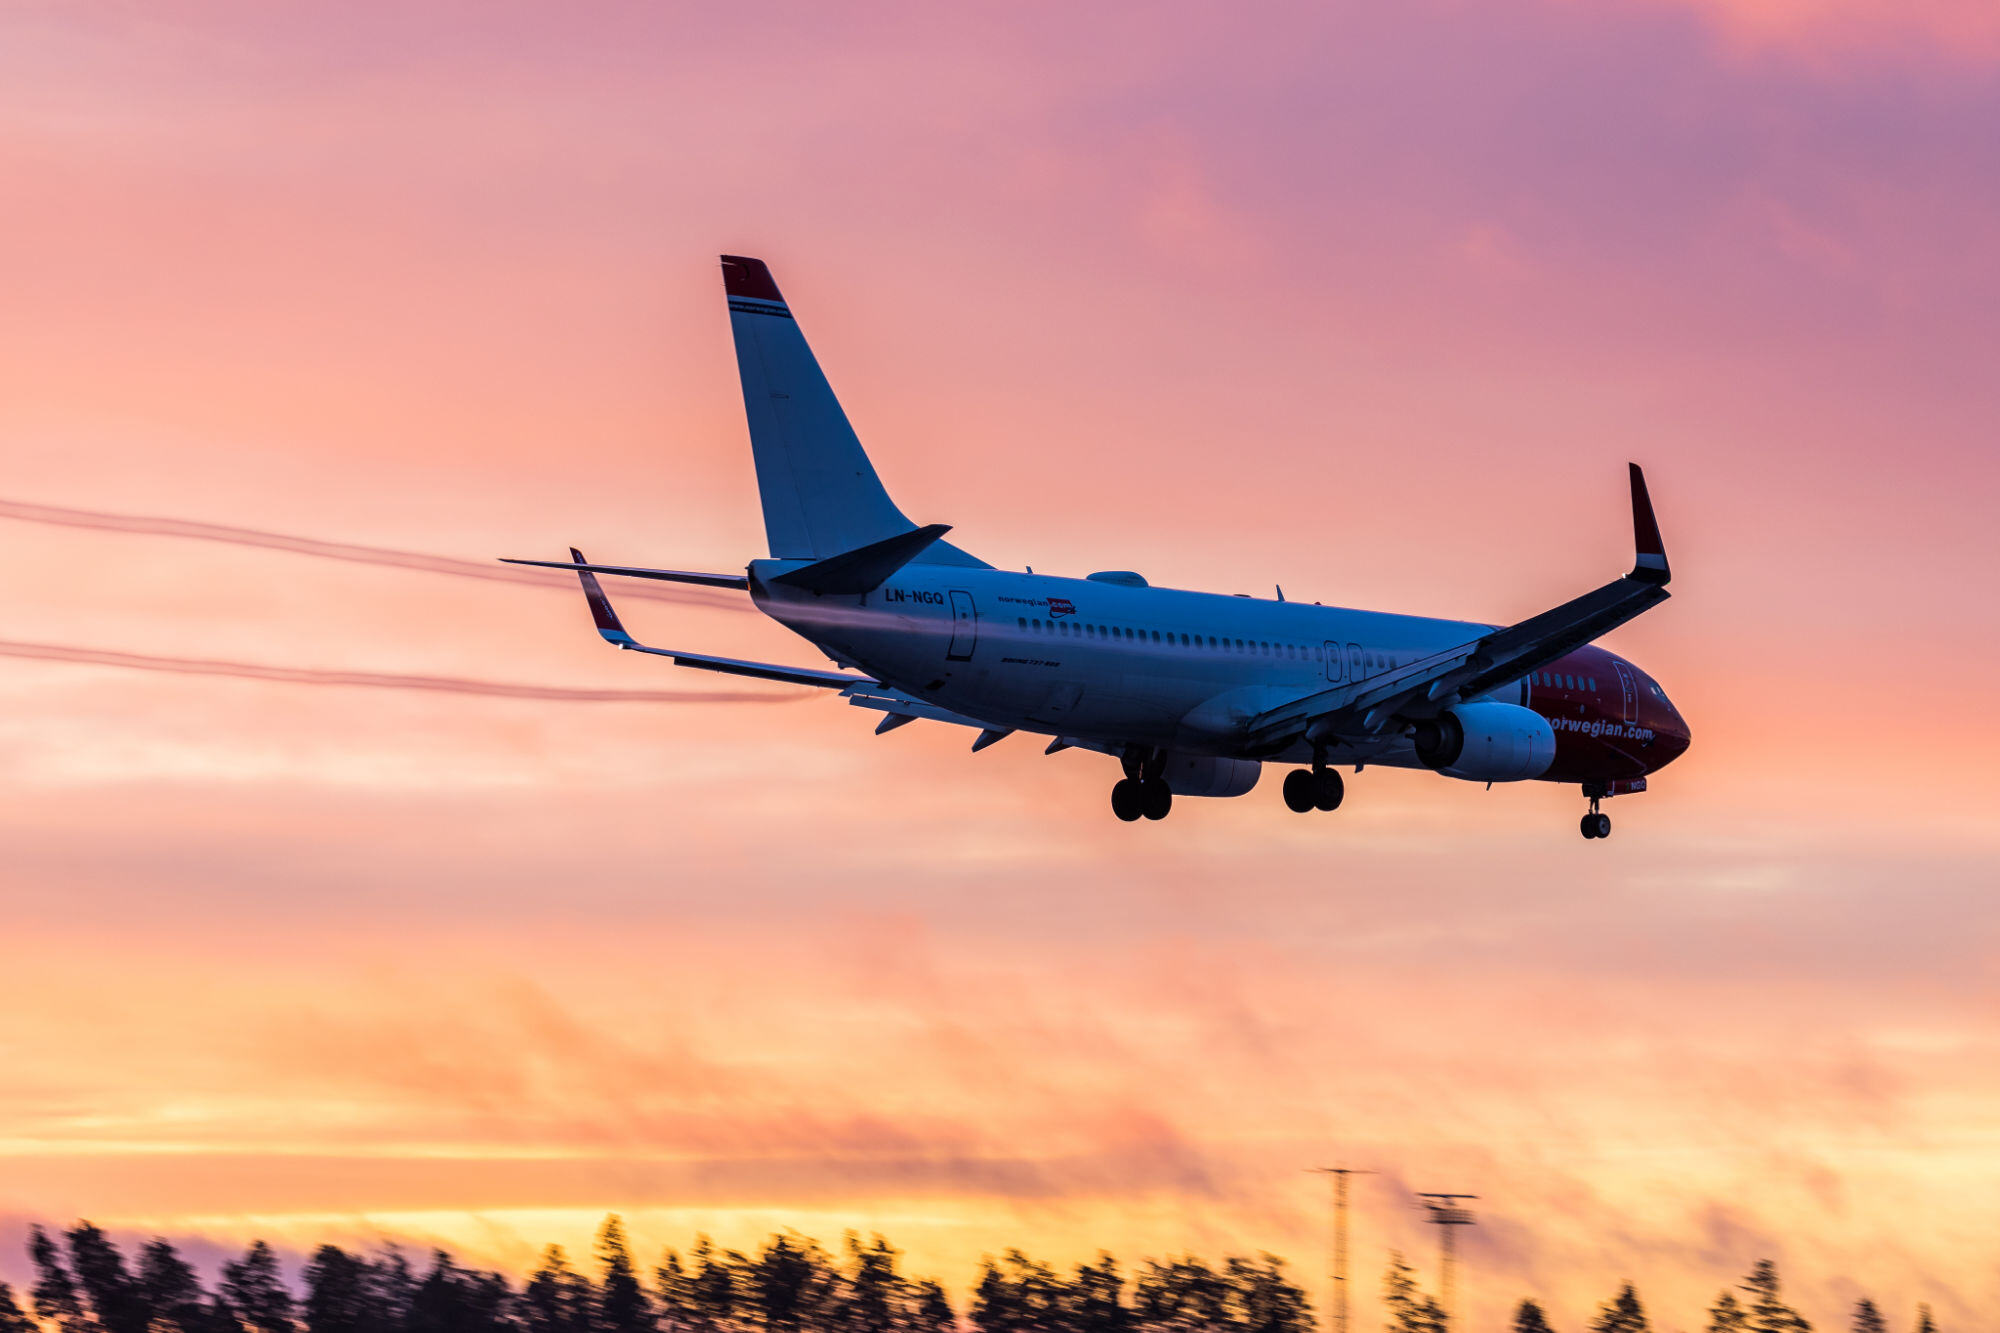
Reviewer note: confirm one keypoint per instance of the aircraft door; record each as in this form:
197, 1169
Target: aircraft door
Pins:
1626, 687
1333, 662
964, 627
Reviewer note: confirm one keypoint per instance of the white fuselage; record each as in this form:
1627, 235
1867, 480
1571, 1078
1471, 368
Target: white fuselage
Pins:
1105, 663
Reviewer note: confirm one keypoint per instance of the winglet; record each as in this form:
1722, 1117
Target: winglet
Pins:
608, 627
1651, 564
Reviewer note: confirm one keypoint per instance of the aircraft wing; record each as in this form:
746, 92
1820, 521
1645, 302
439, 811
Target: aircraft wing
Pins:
1367, 710
613, 632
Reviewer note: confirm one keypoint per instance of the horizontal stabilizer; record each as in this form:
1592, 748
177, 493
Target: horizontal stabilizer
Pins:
612, 631
863, 569
736, 581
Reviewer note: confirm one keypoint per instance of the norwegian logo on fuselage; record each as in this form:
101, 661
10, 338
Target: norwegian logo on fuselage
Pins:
1061, 606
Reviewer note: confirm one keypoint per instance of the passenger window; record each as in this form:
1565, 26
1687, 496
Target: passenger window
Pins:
1022, 621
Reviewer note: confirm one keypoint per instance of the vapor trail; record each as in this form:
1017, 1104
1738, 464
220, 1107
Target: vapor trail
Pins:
199, 666
354, 553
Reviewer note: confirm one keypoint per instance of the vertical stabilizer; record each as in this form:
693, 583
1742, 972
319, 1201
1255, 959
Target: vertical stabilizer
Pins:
820, 493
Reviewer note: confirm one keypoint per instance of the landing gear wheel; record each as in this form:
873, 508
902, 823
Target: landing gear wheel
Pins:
1155, 798
1301, 791
1589, 822
1327, 789
1603, 825
1125, 799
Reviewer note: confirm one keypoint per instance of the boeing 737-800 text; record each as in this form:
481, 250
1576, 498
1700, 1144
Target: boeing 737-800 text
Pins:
1192, 693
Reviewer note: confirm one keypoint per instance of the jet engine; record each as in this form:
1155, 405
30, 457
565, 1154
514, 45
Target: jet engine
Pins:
1202, 775
1487, 742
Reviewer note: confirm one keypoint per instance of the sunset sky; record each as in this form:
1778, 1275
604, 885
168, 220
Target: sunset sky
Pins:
1370, 300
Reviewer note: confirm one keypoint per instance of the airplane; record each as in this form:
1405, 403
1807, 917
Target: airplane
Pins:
1192, 693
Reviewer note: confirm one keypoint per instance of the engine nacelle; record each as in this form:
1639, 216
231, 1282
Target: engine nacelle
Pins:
1487, 742
1201, 775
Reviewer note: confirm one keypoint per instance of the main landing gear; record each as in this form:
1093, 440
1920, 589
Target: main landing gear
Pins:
1315, 788
1596, 825
1142, 791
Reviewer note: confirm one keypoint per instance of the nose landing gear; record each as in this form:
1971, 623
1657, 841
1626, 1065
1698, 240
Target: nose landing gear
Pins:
1596, 825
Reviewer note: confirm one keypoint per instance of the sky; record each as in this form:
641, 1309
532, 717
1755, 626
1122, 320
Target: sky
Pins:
1370, 301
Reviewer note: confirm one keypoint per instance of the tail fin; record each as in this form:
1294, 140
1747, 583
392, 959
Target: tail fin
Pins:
821, 495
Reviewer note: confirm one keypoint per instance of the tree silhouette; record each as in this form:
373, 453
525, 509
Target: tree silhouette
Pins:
557, 1298
55, 1295
1017, 1295
930, 1309
1768, 1312
1924, 1324
1095, 1301
791, 1281
1621, 1314
1727, 1315
673, 1292
106, 1283
340, 1295
12, 1319
1409, 1309
1263, 1300
871, 1291
256, 1293
622, 1306
173, 1295
1528, 1318
715, 1287
393, 1286
1868, 1319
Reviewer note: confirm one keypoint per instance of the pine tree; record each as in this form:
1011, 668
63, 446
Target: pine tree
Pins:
100, 1272
1621, 1314
172, 1293
1868, 1319
1768, 1313
621, 1302
392, 1289
714, 1286
1408, 1308
12, 1319
1727, 1316
55, 1295
557, 1298
1018, 1294
871, 1290
1263, 1300
930, 1309
673, 1294
1924, 1324
1528, 1318
339, 1296
1095, 1301
255, 1292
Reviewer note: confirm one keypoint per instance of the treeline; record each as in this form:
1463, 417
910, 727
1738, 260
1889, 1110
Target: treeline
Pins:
85, 1284
1761, 1308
